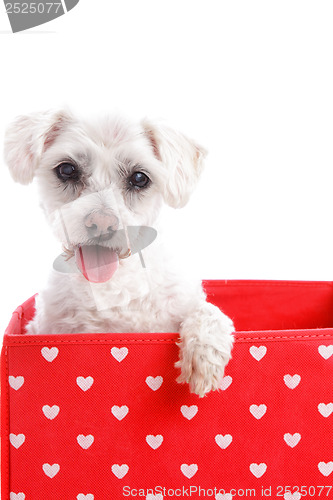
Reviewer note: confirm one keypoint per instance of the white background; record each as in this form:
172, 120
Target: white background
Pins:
251, 80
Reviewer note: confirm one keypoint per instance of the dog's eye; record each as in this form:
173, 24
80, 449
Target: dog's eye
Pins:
139, 180
68, 171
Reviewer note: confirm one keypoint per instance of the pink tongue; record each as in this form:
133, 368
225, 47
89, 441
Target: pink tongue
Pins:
97, 264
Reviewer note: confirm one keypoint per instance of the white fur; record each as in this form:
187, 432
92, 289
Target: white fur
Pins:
154, 298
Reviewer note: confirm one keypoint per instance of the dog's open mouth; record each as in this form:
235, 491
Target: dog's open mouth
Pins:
97, 263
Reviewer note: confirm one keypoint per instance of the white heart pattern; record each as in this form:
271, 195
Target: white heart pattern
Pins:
151, 496
325, 468
292, 381
325, 351
50, 354
16, 440
51, 470
223, 441
50, 412
258, 470
325, 410
119, 353
154, 441
81, 496
292, 496
189, 470
154, 383
85, 441
292, 440
225, 496
84, 383
119, 412
258, 411
16, 496
226, 382
120, 471
15, 382
258, 352
189, 411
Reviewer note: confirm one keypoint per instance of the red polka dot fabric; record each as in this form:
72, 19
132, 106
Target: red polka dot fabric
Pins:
101, 417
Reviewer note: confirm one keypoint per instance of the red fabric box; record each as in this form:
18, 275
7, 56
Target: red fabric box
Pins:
100, 417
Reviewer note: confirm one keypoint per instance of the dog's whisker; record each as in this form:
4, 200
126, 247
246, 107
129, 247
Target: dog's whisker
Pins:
69, 253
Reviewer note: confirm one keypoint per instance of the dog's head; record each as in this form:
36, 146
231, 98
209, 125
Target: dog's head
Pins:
96, 179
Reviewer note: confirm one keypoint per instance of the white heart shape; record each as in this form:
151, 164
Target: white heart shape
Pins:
258, 352
292, 381
16, 496
325, 469
154, 383
119, 412
325, 351
225, 496
151, 496
325, 410
223, 441
189, 411
189, 470
50, 354
226, 382
50, 412
292, 496
17, 440
120, 470
154, 441
15, 382
258, 411
84, 383
51, 470
119, 353
258, 470
292, 440
85, 441
81, 496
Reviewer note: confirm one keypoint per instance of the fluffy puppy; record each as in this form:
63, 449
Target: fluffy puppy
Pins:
102, 186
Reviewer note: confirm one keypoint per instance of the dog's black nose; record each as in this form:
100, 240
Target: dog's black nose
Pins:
101, 224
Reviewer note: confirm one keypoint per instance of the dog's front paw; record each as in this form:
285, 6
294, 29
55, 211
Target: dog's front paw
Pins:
205, 349
202, 367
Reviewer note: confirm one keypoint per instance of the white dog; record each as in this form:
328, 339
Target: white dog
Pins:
96, 181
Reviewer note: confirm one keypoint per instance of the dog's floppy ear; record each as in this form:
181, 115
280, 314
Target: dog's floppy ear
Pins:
182, 157
27, 138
